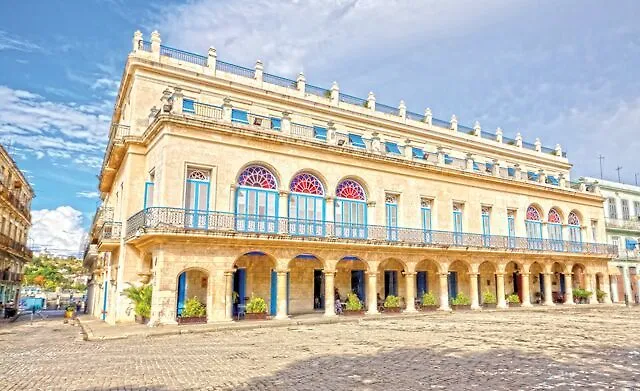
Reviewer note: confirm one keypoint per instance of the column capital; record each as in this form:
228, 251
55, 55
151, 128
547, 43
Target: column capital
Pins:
329, 272
473, 274
228, 273
409, 273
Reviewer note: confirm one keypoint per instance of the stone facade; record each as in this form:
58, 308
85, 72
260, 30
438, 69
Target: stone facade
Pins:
15, 221
256, 184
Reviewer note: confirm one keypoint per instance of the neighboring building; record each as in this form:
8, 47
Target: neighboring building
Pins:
220, 179
15, 221
622, 222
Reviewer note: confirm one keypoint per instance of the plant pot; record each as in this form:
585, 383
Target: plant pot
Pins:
353, 312
457, 307
489, 305
142, 319
514, 304
428, 308
391, 309
192, 319
68, 314
255, 316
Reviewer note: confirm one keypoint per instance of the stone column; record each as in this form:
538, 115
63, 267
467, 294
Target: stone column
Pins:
283, 207
329, 293
475, 300
526, 293
372, 290
502, 302
259, 71
568, 287
607, 297
281, 282
626, 282
226, 109
285, 124
548, 295
228, 295
593, 287
444, 292
410, 283
614, 288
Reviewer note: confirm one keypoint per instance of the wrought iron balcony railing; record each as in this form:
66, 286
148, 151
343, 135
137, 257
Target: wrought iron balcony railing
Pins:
110, 230
632, 224
183, 220
9, 243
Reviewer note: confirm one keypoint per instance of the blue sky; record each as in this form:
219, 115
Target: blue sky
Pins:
562, 71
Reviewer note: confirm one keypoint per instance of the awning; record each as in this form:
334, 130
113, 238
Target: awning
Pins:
320, 133
356, 140
392, 147
417, 153
448, 159
276, 123
239, 116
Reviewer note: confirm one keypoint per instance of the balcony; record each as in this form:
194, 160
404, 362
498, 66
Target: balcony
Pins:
176, 220
632, 224
8, 276
15, 247
8, 194
109, 235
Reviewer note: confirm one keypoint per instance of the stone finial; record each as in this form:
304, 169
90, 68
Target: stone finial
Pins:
499, 135
558, 150
152, 114
335, 93
155, 36
518, 140
371, 101
538, 145
301, 78
155, 44
212, 58
212, 52
454, 123
402, 109
259, 65
301, 83
477, 129
137, 40
259, 69
428, 116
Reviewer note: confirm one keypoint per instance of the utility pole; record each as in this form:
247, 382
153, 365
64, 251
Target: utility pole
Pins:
636, 179
618, 169
601, 158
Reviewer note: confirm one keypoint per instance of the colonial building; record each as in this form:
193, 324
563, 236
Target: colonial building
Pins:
622, 223
222, 182
15, 221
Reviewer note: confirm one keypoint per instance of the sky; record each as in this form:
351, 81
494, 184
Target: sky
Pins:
563, 71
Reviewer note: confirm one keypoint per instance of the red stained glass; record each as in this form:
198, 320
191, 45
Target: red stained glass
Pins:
350, 189
307, 184
554, 217
533, 214
257, 176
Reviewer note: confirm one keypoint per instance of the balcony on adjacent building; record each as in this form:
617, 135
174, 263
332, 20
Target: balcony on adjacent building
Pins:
109, 235
160, 220
631, 224
14, 246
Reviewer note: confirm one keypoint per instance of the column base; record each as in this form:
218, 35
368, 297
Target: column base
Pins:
569, 303
210, 321
502, 306
476, 307
330, 315
444, 308
527, 304
372, 313
281, 317
410, 311
548, 304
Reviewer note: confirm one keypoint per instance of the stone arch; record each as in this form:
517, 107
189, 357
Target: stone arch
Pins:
305, 284
351, 276
487, 279
391, 274
427, 277
254, 275
428, 264
538, 209
575, 217
321, 178
270, 168
579, 274
513, 279
191, 282
459, 280
555, 216
536, 281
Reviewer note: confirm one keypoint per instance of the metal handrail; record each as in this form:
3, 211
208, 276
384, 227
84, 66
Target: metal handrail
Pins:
168, 219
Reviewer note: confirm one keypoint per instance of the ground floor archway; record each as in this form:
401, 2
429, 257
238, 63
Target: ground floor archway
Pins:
254, 275
192, 284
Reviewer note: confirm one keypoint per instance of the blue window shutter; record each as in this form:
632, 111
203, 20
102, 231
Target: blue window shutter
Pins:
148, 195
448, 159
552, 180
476, 167
392, 147
417, 153
421, 281
239, 116
511, 171
276, 123
188, 106
532, 176
320, 133
356, 140
488, 167
182, 286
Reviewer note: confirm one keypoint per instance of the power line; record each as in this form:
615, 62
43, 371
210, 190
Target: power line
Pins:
618, 169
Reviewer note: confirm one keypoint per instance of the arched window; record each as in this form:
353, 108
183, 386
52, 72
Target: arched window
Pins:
554, 227
257, 200
306, 206
196, 199
350, 210
533, 225
575, 232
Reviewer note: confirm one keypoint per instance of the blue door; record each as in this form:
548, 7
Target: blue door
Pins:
453, 285
357, 283
274, 293
390, 283
182, 287
197, 203
541, 278
562, 286
104, 302
239, 287
421, 283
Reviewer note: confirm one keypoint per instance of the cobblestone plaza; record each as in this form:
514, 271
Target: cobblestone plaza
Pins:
559, 349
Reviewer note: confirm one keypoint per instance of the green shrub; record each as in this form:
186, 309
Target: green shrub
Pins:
256, 305
353, 302
513, 299
600, 294
461, 299
392, 302
581, 293
193, 308
141, 298
429, 299
489, 298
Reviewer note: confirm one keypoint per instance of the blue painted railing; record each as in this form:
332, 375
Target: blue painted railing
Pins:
352, 100
317, 91
488, 136
279, 81
465, 129
181, 55
145, 46
440, 123
387, 109
178, 220
415, 116
235, 69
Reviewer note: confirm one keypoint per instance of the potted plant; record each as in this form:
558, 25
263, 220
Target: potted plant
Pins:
581, 296
256, 308
601, 295
354, 305
489, 300
513, 300
461, 302
68, 312
194, 312
141, 298
391, 304
429, 302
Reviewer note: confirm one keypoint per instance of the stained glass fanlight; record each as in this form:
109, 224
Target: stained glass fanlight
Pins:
573, 219
554, 217
350, 189
533, 214
257, 176
307, 184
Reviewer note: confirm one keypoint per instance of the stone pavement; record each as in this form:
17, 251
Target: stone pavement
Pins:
564, 349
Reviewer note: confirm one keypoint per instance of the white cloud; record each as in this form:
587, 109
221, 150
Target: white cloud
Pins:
59, 129
286, 35
58, 231
88, 161
9, 42
87, 194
